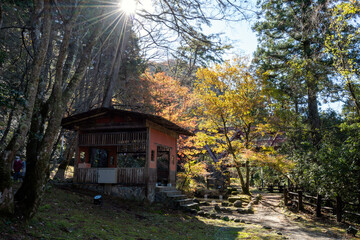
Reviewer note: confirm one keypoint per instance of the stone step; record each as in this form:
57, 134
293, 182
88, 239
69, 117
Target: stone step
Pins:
165, 188
191, 205
172, 193
177, 196
185, 201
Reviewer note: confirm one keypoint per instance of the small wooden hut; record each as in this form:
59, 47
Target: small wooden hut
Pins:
124, 153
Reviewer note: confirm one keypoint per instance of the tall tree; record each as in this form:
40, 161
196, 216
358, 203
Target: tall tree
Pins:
29, 195
342, 43
59, 39
40, 32
291, 54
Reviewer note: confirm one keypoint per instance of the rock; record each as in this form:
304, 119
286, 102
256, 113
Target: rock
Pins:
257, 199
243, 198
233, 199
213, 215
224, 204
351, 230
217, 208
241, 210
245, 210
201, 213
250, 210
279, 233
266, 227
229, 190
237, 220
242, 221
238, 203
226, 218
204, 203
223, 209
193, 211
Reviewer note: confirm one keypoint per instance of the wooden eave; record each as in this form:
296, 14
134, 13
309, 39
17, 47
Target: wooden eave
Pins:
85, 120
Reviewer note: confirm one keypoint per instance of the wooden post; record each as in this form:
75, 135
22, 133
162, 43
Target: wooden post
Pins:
280, 188
300, 204
318, 205
285, 196
338, 209
77, 156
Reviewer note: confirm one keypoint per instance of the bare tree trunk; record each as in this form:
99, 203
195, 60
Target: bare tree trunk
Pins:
18, 140
354, 96
68, 154
7, 129
314, 117
33, 186
1, 15
244, 186
115, 68
247, 169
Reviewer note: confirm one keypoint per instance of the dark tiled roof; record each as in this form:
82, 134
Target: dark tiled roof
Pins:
70, 122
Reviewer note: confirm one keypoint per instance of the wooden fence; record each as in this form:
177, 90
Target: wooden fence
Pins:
86, 175
273, 188
131, 175
336, 207
124, 175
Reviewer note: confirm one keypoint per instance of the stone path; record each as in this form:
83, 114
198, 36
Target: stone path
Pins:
268, 213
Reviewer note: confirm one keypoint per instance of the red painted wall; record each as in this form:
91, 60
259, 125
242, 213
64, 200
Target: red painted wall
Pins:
157, 137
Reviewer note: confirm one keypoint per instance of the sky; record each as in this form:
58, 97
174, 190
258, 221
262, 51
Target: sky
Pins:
244, 42
240, 34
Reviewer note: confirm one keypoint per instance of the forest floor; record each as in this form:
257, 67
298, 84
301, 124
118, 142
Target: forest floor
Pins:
71, 214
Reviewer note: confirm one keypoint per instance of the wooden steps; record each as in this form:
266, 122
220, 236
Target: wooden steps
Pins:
174, 198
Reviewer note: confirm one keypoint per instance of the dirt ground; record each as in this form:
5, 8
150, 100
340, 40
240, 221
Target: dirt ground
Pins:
269, 213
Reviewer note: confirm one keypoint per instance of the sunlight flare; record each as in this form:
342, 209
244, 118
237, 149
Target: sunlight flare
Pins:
128, 6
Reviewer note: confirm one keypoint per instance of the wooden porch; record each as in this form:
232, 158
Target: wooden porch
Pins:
129, 176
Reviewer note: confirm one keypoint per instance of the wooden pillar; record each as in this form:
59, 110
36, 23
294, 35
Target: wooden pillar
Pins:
286, 196
147, 163
339, 206
318, 205
300, 203
77, 156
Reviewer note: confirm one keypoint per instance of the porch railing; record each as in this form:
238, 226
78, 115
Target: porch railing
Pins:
124, 175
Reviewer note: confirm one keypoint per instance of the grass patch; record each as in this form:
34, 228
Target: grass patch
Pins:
71, 215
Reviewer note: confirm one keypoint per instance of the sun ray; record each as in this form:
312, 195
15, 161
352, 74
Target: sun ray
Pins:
101, 17
129, 7
120, 19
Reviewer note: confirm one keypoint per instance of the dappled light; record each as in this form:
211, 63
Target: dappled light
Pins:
144, 119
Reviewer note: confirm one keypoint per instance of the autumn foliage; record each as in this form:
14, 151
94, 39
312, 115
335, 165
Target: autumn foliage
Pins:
234, 116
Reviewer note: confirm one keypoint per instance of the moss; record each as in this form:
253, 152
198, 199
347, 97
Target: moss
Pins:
68, 215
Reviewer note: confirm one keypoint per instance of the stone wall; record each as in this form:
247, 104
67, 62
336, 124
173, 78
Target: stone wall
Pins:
136, 193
